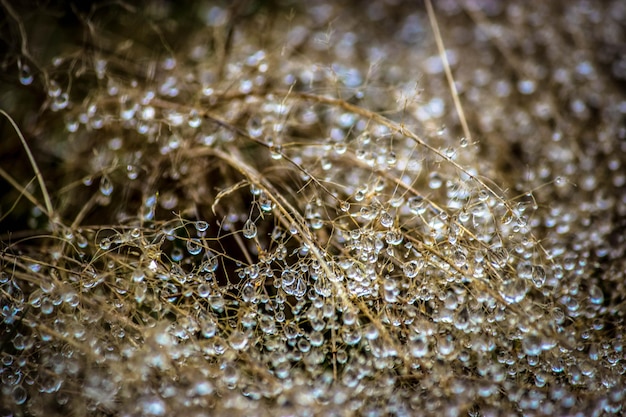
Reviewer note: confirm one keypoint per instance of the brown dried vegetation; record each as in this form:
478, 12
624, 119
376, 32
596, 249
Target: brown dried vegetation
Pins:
276, 208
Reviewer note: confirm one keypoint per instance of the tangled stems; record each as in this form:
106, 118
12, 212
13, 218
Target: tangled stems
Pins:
303, 223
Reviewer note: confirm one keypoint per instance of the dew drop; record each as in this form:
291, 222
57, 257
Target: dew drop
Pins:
411, 268
531, 345
446, 345
177, 254
498, 257
138, 275
152, 406
131, 172
462, 319
386, 219
201, 226
238, 340
208, 328
418, 347
204, 290
249, 229
394, 237
459, 258
46, 306
276, 152
194, 120
340, 148
304, 345
265, 203
248, 293
140, 291
106, 187
507, 218
513, 290
596, 296
538, 275
54, 90
434, 181
71, 125
194, 246
210, 264
417, 205
60, 102
25, 74
351, 335
526, 87
19, 393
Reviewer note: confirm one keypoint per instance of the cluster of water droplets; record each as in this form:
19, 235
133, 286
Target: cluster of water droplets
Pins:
252, 243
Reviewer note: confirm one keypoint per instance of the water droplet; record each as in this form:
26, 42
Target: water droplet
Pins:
276, 152
418, 347
411, 268
446, 345
288, 276
238, 340
297, 288
177, 254
81, 240
106, 186
531, 345
194, 120
25, 74
596, 296
201, 226
526, 87
538, 275
71, 125
304, 345
417, 205
138, 275
210, 264
462, 319
54, 89
386, 219
350, 335
152, 406
204, 290
194, 246
265, 203
507, 218
249, 229
394, 237
60, 102
249, 293
513, 290
316, 223
47, 307
131, 172
434, 180
208, 328
140, 291
340, 148
498, 257
19, 393
459, 258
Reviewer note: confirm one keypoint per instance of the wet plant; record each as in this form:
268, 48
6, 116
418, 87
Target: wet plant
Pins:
274, 208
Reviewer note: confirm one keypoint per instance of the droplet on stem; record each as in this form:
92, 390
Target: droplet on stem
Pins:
249, 229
